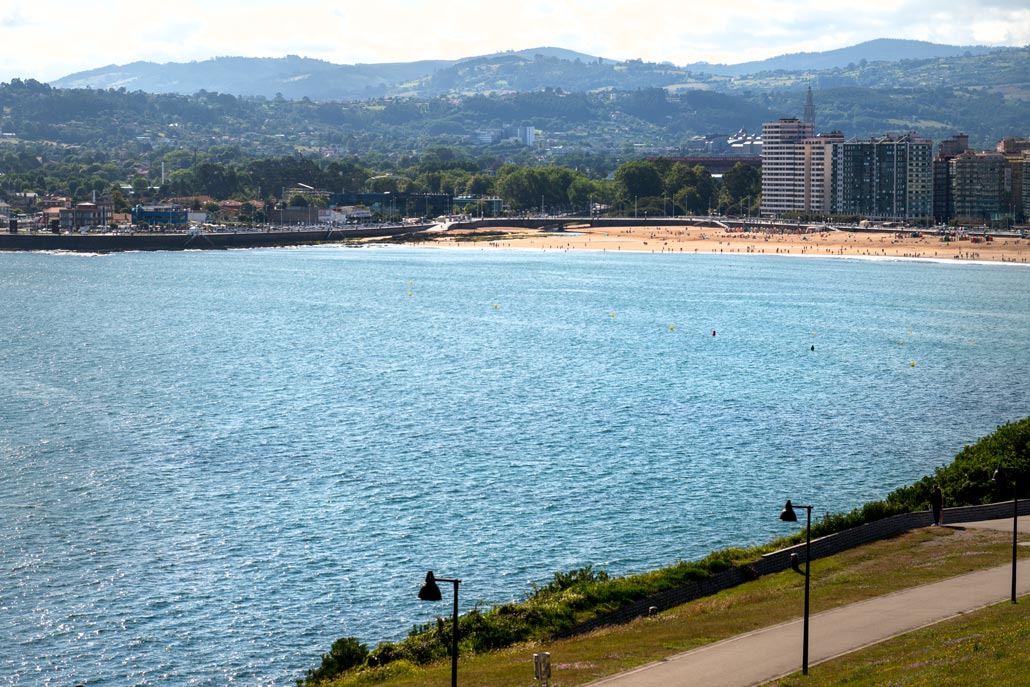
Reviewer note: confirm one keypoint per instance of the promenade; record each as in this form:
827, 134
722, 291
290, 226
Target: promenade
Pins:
758, 657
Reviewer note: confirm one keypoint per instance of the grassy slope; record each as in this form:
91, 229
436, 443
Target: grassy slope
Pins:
988, 647
915, 558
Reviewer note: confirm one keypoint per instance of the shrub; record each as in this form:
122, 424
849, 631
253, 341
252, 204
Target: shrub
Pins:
344, 654
386, 652
968, 479
572, 579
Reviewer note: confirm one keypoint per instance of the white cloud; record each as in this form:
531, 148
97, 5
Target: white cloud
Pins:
13, 18
66, 36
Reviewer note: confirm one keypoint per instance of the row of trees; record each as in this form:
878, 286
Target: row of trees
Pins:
653, 187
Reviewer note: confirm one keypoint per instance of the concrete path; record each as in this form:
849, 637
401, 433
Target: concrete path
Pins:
770, 653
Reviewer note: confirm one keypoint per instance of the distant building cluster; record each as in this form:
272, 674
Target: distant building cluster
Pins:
739, 144
890, 177
61, 215
525, 135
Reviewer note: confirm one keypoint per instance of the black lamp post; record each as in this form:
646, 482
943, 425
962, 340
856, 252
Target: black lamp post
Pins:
431, 592
788, 515
1000, 475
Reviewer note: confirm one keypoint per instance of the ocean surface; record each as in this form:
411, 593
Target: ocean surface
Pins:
213, 464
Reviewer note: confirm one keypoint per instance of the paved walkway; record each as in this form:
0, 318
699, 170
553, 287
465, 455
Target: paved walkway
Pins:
764, 655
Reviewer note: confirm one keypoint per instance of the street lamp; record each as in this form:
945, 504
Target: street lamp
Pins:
1000, 475
788, 515
431, 592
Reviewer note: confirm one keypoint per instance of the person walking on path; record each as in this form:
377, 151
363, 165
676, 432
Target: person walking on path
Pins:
937, 504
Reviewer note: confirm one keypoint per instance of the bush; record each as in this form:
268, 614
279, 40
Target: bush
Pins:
571, 579
344, 654
968, 479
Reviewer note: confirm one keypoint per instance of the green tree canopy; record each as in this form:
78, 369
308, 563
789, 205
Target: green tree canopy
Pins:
638, 179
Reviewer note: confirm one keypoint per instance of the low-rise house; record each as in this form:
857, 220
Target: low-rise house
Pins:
86, 216
352, 214
229, 209
173, 215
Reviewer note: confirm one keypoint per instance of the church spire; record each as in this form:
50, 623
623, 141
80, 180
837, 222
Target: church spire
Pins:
809, 108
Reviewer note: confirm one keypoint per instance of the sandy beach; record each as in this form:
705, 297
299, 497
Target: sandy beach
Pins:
674, 239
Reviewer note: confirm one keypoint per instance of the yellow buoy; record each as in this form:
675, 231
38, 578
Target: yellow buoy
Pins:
495, 305
913, 363
409, 293
613, 314
672, 327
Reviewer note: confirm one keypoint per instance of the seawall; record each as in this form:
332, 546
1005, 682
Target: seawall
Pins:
110, 243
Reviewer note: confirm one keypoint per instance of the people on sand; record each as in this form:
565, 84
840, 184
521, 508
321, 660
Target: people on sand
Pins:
937, 504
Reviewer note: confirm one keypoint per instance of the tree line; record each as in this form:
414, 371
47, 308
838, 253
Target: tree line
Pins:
653, 187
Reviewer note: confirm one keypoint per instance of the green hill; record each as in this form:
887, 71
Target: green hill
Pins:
879, 63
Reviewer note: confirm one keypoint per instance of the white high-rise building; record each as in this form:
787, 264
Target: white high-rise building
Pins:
527, 135
783, 165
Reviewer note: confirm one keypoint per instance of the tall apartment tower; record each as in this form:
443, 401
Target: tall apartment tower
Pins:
809, 108
956, 145
946, 150
890, 177
1017, 157
1025, 195
979, 185
783, 165
527, 135
818, 169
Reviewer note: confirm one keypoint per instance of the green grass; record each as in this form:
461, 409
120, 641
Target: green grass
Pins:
915, 558
987, 647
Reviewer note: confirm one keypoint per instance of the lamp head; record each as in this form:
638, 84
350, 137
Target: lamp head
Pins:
430, 591
999, 474
788, 514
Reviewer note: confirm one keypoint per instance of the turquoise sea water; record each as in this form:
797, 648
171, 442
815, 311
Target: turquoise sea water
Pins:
213, 464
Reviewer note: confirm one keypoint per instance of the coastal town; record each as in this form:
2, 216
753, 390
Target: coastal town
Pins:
893, 180
887, 179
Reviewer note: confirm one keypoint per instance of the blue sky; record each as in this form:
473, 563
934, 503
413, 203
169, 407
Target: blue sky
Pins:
48, 39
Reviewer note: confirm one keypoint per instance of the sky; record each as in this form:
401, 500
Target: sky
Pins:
48, 39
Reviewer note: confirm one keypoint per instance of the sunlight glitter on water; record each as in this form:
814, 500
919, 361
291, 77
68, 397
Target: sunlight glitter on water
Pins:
215, 464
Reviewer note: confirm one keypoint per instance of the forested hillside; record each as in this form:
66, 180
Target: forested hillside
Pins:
875, 64
647, 119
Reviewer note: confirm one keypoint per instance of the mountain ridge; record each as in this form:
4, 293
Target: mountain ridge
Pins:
294, 77
898, 49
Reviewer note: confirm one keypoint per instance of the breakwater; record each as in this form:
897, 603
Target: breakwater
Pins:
111, 243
